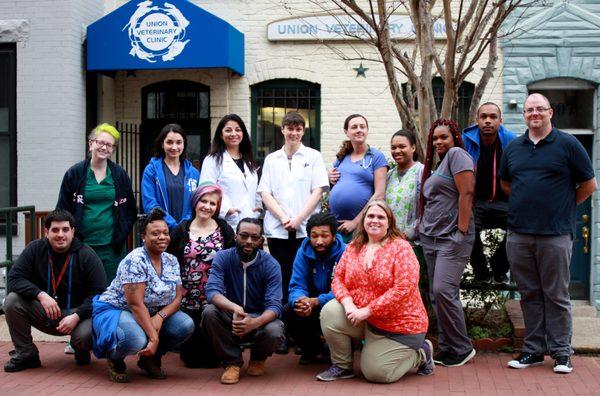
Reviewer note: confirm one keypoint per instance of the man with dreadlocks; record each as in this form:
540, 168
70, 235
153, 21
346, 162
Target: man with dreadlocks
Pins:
447, 231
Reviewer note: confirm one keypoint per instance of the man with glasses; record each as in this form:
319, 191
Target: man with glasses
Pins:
485, 142
546, 173
244, 295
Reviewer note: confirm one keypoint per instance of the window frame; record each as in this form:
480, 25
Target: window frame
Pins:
11, 86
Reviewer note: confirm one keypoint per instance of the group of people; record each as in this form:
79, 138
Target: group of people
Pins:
201, 283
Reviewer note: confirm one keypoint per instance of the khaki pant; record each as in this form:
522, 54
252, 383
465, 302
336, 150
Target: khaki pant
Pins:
382, 359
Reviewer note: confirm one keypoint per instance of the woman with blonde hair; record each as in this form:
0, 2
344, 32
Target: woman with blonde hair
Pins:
98, 193
377, 299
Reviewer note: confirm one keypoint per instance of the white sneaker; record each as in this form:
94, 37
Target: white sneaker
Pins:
69, 349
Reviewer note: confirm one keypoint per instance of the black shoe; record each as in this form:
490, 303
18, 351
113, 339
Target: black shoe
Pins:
82, 358
526, 359
440, 357
562, 365
501, 279
17, 364
117, 371
298, 350
453, 360
283, 348
151, 367
308, 358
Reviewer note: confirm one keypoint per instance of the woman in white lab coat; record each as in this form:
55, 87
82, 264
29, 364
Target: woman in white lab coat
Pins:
230, 164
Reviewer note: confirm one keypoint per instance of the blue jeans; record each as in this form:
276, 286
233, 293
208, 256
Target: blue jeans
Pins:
131, 338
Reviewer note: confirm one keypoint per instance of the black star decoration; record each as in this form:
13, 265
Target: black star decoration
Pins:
360, 70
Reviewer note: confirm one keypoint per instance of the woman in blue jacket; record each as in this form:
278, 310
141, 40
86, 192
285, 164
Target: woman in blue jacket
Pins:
169, 179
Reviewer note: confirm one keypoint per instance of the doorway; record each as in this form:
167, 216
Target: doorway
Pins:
186, 103
574, 105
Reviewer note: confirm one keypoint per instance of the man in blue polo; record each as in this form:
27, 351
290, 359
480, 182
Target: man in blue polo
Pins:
546, 173
485, 142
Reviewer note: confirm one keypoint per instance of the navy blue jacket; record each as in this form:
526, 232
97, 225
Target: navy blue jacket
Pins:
154, 189
262, 289
470, 137
312, 275
72, 191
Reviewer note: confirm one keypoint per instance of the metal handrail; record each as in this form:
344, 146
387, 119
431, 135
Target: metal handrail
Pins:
9, 212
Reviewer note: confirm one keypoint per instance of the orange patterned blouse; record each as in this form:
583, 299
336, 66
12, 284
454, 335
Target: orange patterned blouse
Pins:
390, 287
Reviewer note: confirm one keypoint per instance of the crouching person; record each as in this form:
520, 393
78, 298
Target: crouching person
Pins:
244, 295
310, 286
377, 299
139, 312
52, 284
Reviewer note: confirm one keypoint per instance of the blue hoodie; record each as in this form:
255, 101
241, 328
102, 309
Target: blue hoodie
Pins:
311, 275
154, 189
470, 137
256, 288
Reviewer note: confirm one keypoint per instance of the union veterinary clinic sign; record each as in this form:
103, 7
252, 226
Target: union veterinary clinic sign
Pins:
341, 27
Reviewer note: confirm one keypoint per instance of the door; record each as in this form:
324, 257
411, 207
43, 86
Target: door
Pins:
186, 103
581, 259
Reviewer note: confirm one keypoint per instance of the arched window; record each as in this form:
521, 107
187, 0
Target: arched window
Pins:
271, 100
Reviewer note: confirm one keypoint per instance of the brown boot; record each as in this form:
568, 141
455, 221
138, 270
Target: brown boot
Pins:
256, 368
231, 375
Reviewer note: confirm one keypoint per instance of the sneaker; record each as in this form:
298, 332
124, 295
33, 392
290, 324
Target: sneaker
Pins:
256, 368
562, 365
17, 364
117, 371
231, 375
151, 367
427, 367
501, 279
69, 350
82, 358
526, 359
335, 372
440, 357
458, 360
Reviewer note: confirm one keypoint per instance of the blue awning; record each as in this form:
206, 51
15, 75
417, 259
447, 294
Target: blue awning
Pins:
154, 34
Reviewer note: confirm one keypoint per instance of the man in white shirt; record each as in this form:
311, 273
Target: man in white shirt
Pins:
292, 184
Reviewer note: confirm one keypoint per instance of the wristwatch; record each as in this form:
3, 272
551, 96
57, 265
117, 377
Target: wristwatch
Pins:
162, 314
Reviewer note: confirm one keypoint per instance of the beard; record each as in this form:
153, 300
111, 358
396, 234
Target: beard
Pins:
244, 256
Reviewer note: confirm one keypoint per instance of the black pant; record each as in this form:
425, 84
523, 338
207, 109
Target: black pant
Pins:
284, 251
305, 331
197, 351
216, 324
489, 215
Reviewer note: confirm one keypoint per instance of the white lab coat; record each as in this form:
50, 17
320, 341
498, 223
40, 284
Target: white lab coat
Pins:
239, 189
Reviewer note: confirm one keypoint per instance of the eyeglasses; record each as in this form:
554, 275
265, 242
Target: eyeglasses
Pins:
538, 109
253, 237
100, 143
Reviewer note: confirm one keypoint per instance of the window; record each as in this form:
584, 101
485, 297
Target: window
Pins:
465, 94
8, 181
271, 100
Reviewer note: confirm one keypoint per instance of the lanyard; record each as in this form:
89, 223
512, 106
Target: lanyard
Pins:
55, 282
494, 173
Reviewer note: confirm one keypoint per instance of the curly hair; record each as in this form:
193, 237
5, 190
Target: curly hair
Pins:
430, 152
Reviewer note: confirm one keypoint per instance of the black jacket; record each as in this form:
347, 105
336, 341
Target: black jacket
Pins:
29, 275
181, 234
72, 191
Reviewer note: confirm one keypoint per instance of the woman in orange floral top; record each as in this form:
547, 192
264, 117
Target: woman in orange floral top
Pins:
377, 300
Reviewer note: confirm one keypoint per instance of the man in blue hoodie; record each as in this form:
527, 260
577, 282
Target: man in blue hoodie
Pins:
244, 295
485, 142
310, 285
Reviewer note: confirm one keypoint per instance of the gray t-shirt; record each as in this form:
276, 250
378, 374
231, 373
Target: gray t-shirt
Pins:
440, 215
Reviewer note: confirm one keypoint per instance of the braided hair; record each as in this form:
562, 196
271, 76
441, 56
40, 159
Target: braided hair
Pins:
430, 152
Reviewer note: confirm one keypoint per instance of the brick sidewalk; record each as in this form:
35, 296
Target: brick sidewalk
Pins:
486, 376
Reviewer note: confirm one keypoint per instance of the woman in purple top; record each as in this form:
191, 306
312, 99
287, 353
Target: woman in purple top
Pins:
446, 233
195, 243
358, 175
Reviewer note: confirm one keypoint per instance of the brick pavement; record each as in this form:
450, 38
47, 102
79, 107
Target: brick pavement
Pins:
487, 375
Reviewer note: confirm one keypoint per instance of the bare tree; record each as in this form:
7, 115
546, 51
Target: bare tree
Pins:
472, 29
